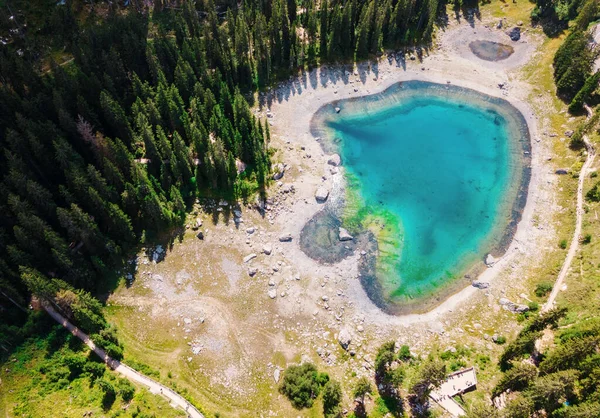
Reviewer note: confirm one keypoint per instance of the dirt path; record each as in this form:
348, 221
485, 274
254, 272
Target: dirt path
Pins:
575, 240
176, 400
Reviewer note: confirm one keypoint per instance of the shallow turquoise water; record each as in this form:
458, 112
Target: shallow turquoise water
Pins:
444, 169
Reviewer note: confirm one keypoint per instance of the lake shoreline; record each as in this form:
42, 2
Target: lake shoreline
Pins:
499, 237
295, 102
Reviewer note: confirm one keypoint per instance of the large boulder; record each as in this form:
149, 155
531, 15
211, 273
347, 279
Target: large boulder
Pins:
267, 249
514, 33
344, 235
480, 285
322, 194
278, 171
285, 237
334, 160
490, 260
344, 338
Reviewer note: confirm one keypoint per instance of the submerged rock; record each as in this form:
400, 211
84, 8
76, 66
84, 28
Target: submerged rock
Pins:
344, 235
334, 160
322, 194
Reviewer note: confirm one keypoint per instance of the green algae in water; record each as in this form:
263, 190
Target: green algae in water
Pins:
439, 176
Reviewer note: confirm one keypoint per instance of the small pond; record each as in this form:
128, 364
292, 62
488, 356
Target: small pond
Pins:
491, 51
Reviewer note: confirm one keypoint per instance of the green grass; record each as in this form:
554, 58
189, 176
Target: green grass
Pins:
57, 376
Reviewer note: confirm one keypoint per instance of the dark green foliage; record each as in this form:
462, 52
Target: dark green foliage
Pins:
522, 346
362, 388
386, 358
332, 397
431, 373
517, 378
565, 382
591, 83
594, 193
302, 384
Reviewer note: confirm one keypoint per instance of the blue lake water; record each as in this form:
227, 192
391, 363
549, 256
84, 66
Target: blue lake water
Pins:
446, 170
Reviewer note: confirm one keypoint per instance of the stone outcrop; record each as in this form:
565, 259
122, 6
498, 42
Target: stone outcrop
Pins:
322, 194
480, 285
334, 160
514, 33
344, 338
344, 235
285, 238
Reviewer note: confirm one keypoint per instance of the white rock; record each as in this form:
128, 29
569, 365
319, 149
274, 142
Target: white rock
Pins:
322, 194
344, 338
250, 230
344, 235
272, 293
249, 257
267, 249
490, 260
252, 271
334, 160
285, 237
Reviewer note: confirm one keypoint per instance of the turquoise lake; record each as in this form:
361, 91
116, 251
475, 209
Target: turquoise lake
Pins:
445, 168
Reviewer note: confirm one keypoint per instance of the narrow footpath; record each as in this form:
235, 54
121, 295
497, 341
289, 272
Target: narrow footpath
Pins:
176, 400
574, 246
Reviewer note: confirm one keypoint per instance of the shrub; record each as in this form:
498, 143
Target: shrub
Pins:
404, 353
563, 244
126, 389
332, 396
587, 238
533, 306
363, 386
542, 289
302, 384
500, 340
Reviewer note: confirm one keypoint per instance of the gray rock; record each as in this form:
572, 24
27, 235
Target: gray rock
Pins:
480, 285
197, 224
322, 194
499, 25
267, 249
334, 160
344, 338
344, 235
250, 230
490, 260
285, 237
569, 133
276, 374
272, 293
504, 301
562, 171
514, 33
249, 257
278, 171
252, 271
